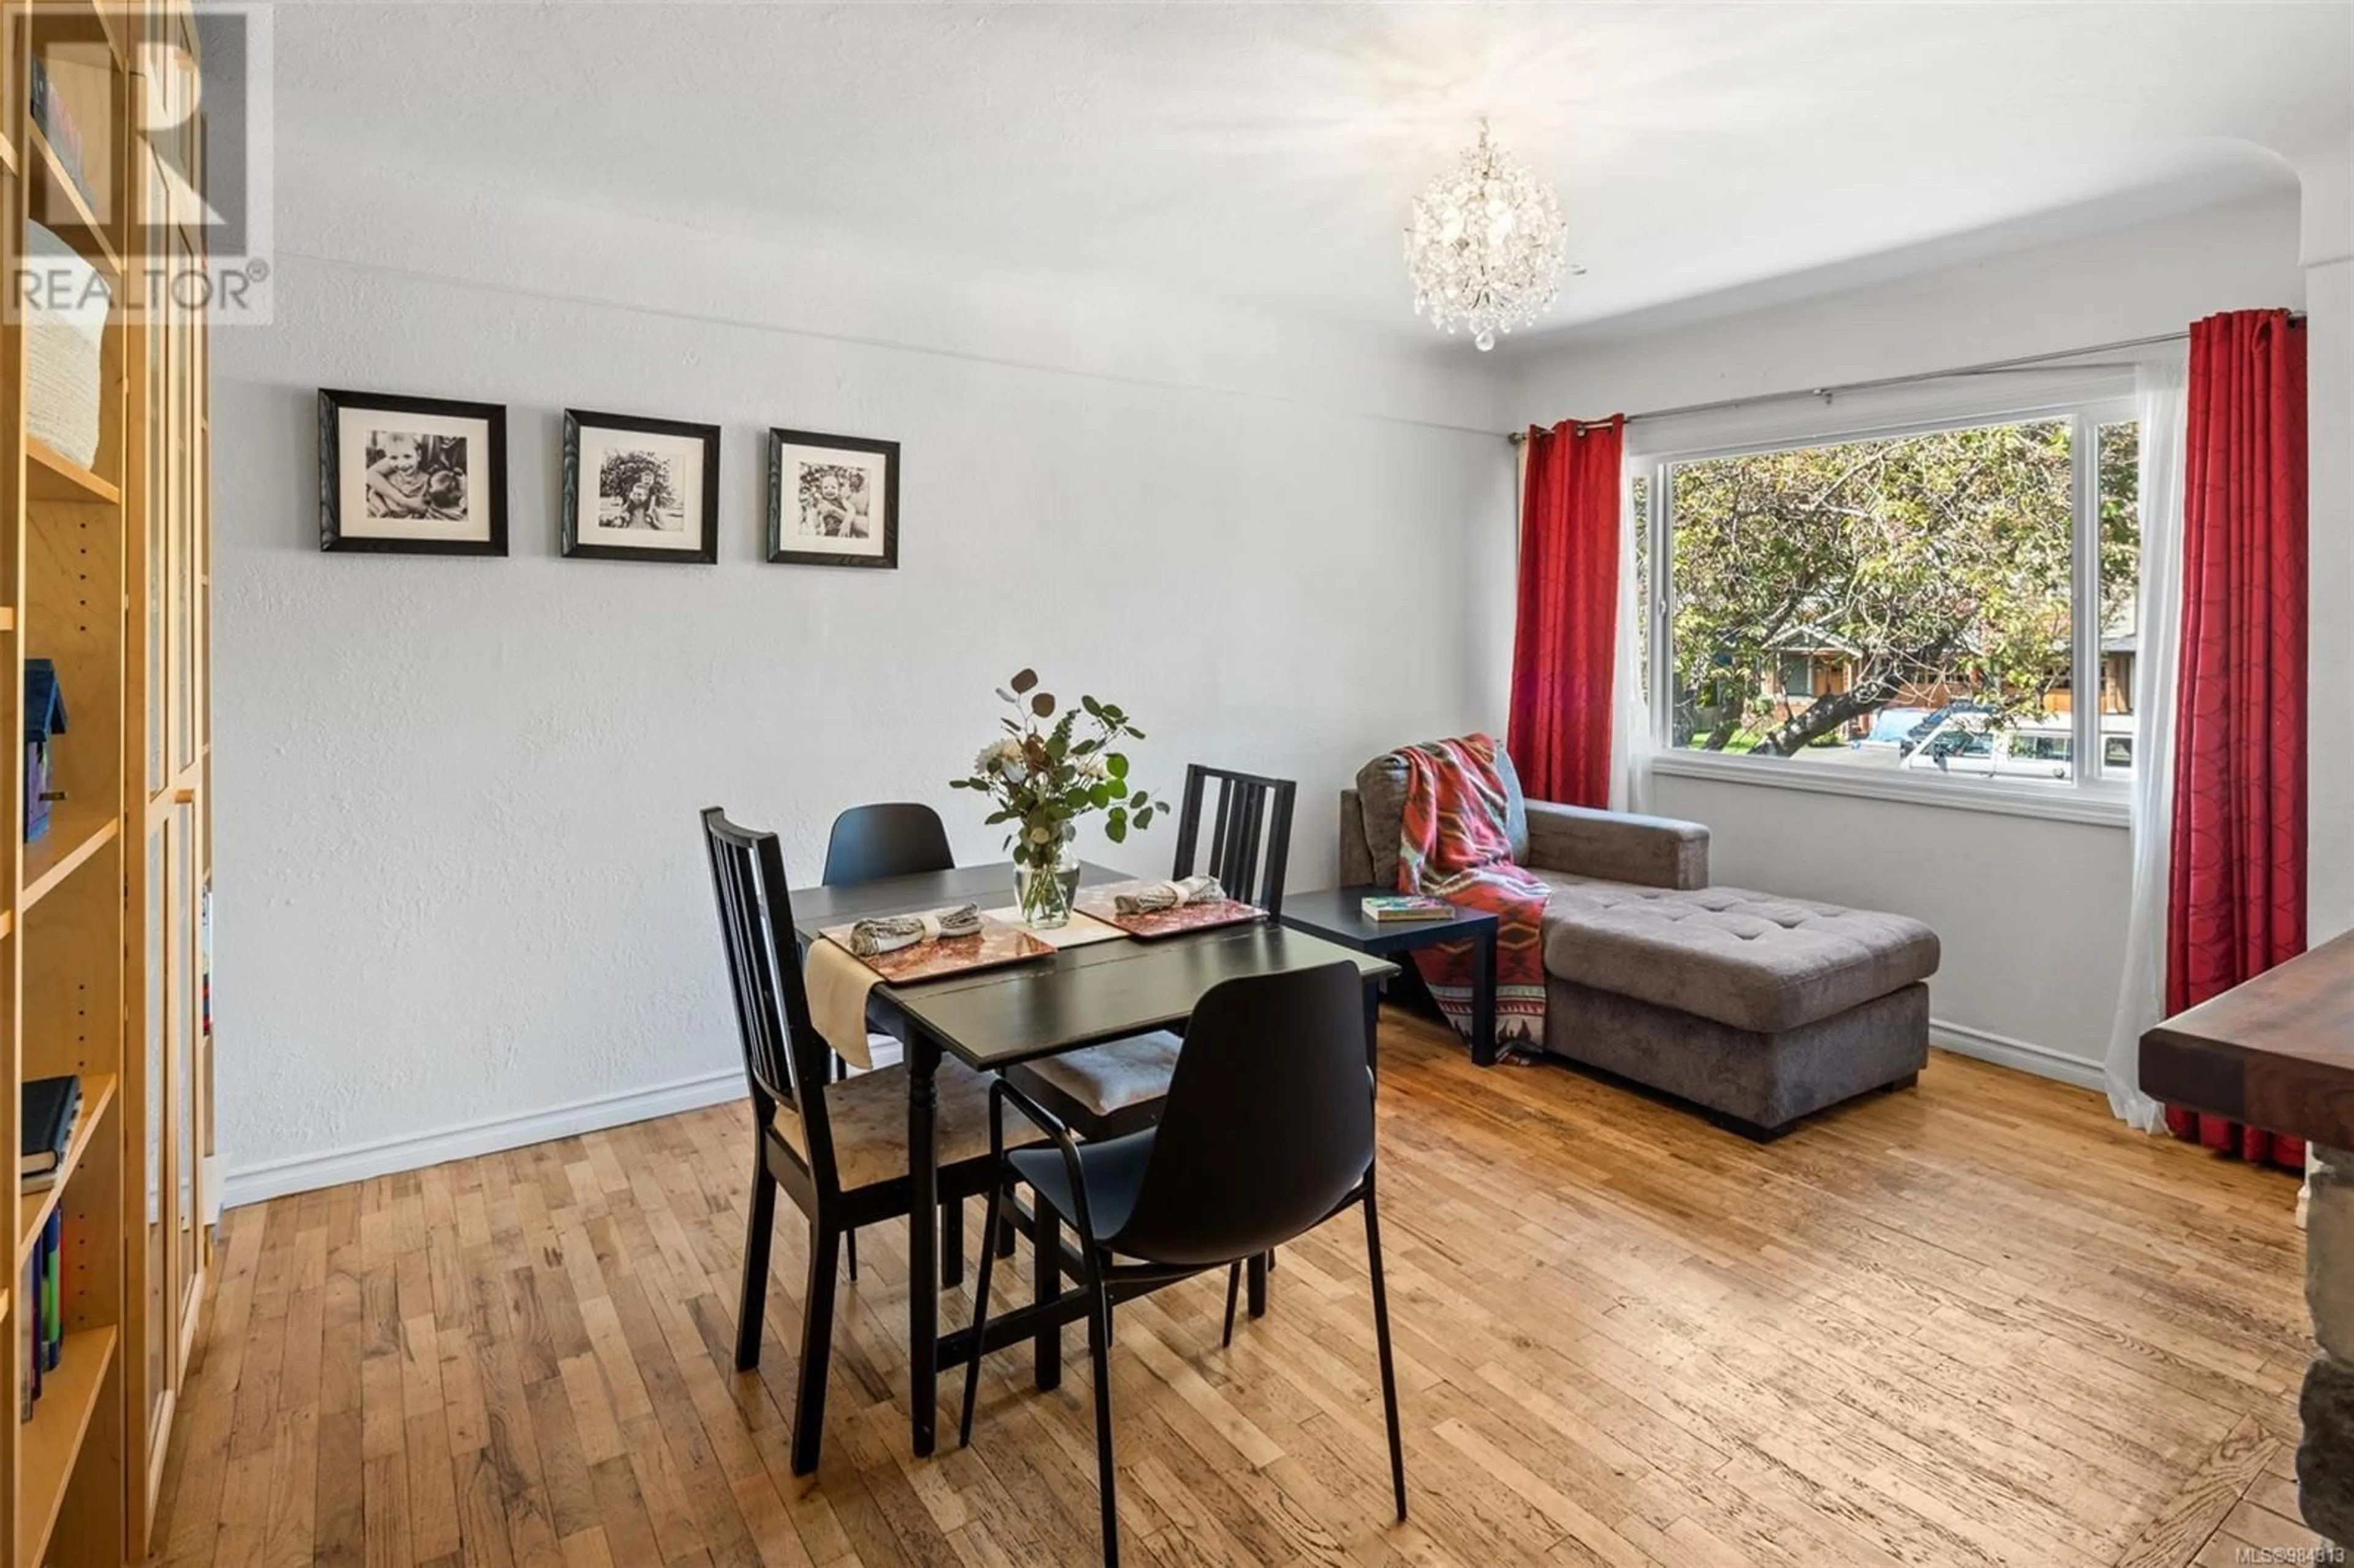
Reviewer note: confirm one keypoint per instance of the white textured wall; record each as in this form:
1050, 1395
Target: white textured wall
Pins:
2031, 912
2329, 361
458, 871
2327, 246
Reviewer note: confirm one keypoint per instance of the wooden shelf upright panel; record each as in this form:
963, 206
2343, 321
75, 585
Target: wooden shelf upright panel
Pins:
101, 948
14, 39
166, 1098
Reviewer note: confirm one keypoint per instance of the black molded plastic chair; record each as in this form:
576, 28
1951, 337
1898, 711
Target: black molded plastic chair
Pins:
1120, 1086
871, 842
1269, 1133
840, 1148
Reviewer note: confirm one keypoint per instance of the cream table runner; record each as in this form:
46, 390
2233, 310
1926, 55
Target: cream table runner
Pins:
837, 985
1082, 930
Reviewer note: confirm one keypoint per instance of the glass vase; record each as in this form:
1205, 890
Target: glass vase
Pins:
1044, 883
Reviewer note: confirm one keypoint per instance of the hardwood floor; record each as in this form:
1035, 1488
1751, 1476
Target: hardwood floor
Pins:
1973, 1323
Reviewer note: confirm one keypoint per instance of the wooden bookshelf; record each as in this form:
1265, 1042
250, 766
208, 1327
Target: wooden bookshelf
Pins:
15, 1437
73, 840
52, 1442
34, 1209
49, 477
94, 21
103, 570
63, 207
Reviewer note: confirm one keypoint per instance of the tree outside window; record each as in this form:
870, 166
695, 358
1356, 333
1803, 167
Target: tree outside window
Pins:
1846, 602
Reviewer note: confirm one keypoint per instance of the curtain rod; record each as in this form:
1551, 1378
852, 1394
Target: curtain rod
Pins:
2024, 360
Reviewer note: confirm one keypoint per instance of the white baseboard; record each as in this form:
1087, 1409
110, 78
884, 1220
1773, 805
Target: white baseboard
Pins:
2023, 1055
384, 1157
359, 1162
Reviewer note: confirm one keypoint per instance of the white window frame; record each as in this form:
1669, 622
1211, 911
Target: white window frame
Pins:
2091, 796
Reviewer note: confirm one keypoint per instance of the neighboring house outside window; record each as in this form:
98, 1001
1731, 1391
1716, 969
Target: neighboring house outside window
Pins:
1798, 677
1914, 604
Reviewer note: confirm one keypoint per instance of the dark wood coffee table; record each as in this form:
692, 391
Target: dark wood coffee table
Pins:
1337, 915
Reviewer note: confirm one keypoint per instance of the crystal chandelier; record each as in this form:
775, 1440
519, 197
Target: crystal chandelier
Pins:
1485, 246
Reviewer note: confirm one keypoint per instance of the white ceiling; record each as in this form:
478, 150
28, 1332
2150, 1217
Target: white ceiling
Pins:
1267, 152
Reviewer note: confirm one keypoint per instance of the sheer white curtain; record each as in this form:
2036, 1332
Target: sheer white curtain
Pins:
1631, 742
2141, 999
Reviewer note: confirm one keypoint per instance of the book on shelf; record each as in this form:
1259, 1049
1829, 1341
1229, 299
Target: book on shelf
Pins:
28, 1340
53, 1306
45, 1126
31, 1312
42, 1313
54, 119
1388, 907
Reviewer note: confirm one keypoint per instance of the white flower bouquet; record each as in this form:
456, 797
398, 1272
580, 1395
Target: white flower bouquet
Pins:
1043, 776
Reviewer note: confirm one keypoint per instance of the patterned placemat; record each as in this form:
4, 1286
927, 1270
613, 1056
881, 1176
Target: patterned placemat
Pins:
1099, 902
995, 945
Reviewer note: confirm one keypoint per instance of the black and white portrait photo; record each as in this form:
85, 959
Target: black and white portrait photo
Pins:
640, 490
834, 501
638, 487
420, 475
414, 475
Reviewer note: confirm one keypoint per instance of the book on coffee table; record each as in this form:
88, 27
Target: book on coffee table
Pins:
1388, 907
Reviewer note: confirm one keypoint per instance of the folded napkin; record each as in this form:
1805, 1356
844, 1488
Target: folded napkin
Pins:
1155, 896
889, 933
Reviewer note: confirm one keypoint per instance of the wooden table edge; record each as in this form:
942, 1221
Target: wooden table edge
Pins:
2302, 1085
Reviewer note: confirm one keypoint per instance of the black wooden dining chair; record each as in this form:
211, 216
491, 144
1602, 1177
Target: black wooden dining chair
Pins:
1250, 833
1269, 1133
869, 844
1120, 1085
839, 1148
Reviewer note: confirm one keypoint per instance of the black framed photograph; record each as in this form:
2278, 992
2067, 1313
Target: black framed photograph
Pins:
421, 476
640, 490
834, 501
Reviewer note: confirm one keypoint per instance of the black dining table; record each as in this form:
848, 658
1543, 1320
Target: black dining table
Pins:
993, 1019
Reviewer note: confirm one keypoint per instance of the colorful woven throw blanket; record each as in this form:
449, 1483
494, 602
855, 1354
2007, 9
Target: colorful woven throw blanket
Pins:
1453, 846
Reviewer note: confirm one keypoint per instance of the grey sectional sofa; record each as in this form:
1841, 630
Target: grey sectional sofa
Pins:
1758, 1008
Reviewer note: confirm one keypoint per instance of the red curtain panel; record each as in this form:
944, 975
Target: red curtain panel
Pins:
1565, 642
2236, 905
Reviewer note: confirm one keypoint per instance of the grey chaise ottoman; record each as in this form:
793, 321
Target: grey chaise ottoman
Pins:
1756, 1008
